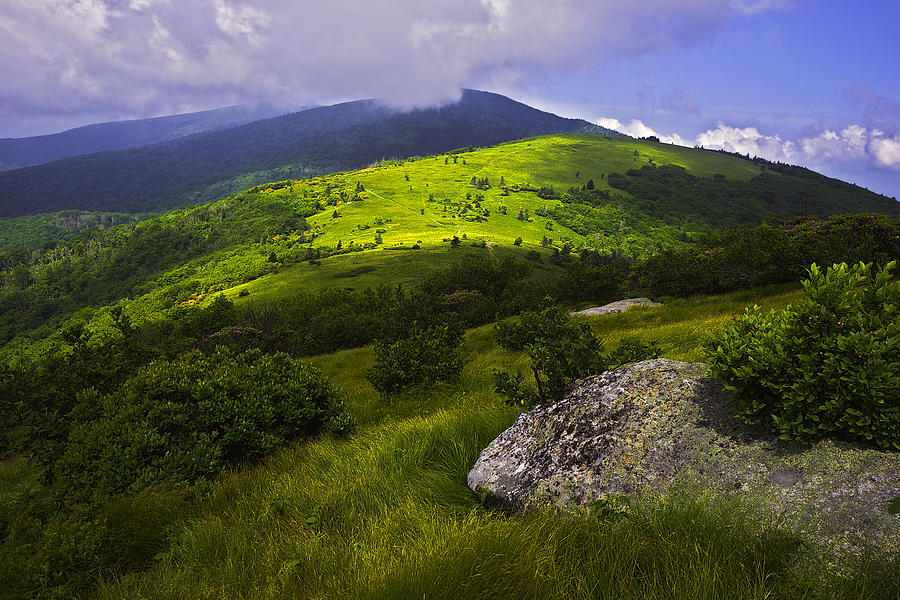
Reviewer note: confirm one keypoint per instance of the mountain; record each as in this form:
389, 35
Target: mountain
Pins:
16, 153
140, 361
396, 221
315, 141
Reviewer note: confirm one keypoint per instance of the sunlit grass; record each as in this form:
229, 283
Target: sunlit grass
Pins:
386, 512
681, 326
406, 201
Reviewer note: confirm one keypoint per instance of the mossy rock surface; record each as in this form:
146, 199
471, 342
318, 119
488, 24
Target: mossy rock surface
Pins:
644, 427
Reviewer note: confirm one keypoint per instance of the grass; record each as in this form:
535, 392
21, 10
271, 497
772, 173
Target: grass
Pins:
409, 217
681, 326
361, 270
402, 208
417, 202
386, 512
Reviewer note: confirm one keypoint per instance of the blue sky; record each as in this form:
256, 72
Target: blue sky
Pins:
798, 73
810, 82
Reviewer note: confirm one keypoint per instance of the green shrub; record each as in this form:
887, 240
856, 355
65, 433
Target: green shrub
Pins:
185, 420
425, 355
829, 366
561, 351
517, 335
766, 254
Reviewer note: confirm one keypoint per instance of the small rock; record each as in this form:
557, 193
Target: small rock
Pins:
615, 307
784, 477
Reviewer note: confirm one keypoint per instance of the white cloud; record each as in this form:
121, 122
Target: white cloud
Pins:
854, 145
637, 128
241, 21
850, 144
885, 150
747, 140
157, 56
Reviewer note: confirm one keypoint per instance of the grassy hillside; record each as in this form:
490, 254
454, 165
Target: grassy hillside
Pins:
320, 140
141, 345
45, 230
396, 221
385, 513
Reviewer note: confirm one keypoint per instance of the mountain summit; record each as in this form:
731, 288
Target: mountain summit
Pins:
316, 141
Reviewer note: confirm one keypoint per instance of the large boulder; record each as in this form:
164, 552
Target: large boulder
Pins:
642, 427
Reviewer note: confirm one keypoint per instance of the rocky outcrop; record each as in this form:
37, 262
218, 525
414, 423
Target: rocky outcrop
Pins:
615, 307
642, 427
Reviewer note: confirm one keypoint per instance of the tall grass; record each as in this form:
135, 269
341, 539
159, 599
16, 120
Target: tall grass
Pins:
682, 325
386, 513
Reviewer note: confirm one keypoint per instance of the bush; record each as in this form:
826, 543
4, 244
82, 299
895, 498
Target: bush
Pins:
767, 254
426, 355
184, 420
829, 366
561, 351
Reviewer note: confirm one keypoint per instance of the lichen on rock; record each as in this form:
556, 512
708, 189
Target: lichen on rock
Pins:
642, 427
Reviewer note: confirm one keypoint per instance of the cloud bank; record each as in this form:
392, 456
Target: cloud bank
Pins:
160, 56
855, 146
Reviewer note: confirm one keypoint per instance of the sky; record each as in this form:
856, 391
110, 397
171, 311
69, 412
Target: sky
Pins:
809, 82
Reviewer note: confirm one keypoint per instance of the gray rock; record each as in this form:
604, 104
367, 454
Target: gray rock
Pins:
640, 428
615, 307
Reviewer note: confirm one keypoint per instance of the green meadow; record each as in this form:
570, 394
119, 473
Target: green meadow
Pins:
420, 209
386, 513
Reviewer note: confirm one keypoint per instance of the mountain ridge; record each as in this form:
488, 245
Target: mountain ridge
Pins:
21, 152
320, 140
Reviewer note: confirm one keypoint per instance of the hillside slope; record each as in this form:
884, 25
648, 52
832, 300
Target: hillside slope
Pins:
17, 153
315, 141
396, 221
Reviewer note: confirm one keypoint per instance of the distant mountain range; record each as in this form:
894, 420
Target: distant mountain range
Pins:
198, 168
120, 135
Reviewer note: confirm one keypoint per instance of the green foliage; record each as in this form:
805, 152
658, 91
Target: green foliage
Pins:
593, 277
47, 553
673, 194
425, 355
828, 366
48, 229
161, 257
561, 351
397, 491
630, 350
768, 253
181, 421
894, 506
